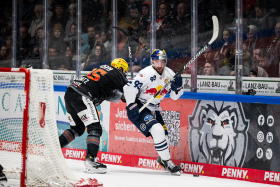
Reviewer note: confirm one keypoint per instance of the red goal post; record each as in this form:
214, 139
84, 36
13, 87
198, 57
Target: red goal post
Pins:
25, 117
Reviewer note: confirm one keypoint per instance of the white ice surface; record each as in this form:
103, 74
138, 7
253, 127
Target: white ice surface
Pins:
121, 176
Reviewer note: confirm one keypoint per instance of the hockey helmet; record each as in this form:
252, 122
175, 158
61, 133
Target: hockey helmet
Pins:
120, 63
159, 54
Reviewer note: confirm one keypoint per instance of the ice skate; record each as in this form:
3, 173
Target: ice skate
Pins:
160, 162
163, 165
3, 180
171, 167
92, 166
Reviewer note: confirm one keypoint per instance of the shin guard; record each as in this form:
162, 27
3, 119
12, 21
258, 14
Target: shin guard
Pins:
93, 141
67, 136
160, 141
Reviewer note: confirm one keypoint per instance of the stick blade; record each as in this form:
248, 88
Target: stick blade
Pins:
215, 29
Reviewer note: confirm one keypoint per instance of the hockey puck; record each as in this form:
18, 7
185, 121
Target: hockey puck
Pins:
196, 175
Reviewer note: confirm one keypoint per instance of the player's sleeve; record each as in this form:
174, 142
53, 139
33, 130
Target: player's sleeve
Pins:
132, 88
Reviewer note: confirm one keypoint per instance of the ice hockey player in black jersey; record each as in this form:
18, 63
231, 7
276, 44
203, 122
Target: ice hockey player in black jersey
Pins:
3, 178
81, 99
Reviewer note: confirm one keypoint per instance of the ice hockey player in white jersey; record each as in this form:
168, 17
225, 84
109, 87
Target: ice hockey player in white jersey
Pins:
149, 121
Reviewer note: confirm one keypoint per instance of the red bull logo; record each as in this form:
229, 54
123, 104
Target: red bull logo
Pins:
164, 92
153, 91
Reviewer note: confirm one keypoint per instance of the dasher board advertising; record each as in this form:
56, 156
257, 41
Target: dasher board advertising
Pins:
231, 134
264, 86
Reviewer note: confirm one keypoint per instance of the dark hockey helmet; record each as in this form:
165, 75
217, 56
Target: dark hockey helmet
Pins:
120, 63
159, 54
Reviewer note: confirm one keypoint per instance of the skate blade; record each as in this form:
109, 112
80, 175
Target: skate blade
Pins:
97, 171
178, 173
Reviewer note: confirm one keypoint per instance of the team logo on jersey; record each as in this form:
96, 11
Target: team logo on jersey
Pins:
153, 78
218, 133
148, 117
143, 127
84, 117
153, 91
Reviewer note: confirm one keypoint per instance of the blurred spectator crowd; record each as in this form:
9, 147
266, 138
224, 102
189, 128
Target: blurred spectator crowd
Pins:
261, 38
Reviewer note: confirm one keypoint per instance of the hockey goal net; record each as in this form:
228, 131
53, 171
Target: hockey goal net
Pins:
29, 144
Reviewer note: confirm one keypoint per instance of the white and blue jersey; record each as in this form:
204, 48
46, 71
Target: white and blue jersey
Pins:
146, 84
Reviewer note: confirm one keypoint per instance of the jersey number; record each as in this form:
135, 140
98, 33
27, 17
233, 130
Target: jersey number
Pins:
138, 84
95, 74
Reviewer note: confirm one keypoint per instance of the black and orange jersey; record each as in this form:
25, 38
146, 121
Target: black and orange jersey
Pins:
100, 84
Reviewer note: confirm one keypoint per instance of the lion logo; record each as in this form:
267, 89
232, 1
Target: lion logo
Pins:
218, 133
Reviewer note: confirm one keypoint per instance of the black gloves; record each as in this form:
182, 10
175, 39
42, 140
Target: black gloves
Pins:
177, 85
133, 111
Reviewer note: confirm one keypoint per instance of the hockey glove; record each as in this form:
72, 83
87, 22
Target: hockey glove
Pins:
177, 85
133, 111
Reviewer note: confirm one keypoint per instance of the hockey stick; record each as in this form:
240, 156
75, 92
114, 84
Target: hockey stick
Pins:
129, 49
214, 37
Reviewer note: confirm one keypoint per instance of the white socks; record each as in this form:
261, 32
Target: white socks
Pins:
160, 142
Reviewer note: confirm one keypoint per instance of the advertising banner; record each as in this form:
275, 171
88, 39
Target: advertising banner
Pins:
211, 84
205, 84
65, 78
193, 168
63, 123
214, 132
60, 108
235, 134
125, 137
265, 86
262, 85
